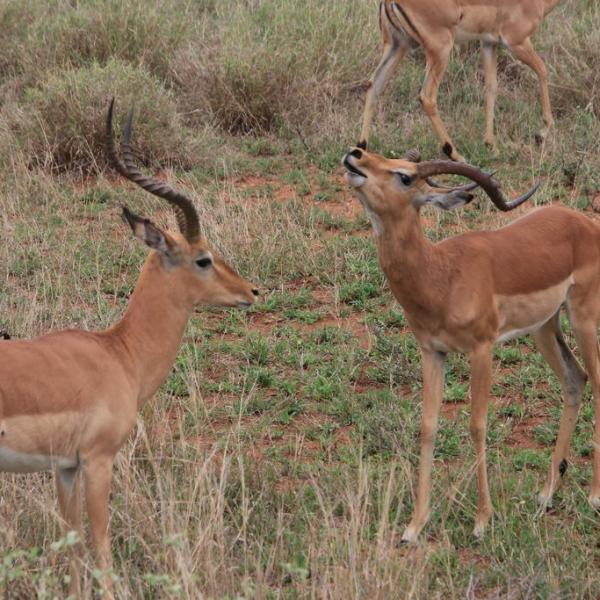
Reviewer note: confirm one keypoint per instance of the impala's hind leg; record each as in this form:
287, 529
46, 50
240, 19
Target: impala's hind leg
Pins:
584, 321
68, 487
395, 45
526, 53
551, 344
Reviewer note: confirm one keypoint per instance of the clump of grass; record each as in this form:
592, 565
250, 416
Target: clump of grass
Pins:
63, 35
573, 58
60, 123
278, 63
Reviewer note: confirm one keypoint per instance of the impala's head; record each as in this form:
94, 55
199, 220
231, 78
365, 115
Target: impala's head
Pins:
206, 278
389, 187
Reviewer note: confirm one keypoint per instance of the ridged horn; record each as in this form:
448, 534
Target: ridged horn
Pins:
185, 212
484, 180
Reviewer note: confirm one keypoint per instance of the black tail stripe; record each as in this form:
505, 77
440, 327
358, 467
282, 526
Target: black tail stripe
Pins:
389, 17
408, 21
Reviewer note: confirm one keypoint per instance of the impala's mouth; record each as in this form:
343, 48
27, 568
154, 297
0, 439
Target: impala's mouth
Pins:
350, 168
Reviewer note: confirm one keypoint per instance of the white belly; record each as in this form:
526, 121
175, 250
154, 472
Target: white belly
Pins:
464, 37
19, 462
522, 314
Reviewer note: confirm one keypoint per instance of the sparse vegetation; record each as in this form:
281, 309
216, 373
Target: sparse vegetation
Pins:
278, 460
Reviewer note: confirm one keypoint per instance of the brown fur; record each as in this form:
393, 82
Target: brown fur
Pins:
437, 25
467, 292
74, 395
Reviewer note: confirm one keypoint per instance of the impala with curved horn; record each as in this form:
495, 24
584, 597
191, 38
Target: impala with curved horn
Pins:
437, 26
68, 400
471, 291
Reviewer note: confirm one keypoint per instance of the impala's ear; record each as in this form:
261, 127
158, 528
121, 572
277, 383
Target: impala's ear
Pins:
146, 231
448, 201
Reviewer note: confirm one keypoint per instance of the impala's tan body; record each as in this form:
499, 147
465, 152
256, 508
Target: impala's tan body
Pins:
469, 292
77, 393
449, 310
437, 25
68, 400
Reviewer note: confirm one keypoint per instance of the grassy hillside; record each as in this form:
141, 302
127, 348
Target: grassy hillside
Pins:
279, 458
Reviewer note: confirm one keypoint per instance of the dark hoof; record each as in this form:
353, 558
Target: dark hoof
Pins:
562, 468
4, 335
362, 145
447, 149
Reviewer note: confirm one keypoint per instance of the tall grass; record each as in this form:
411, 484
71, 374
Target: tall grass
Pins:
278, 459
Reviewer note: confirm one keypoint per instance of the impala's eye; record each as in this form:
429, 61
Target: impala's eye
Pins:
404, 178
204, 262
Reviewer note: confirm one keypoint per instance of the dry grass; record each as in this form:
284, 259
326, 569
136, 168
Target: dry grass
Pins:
278, 459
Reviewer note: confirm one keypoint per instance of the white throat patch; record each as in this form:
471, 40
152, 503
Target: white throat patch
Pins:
373, 216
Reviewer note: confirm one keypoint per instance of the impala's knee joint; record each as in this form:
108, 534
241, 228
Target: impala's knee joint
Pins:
477, 432
428, 435
429, 105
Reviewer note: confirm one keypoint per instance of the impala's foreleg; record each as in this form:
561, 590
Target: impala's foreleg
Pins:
438, 56
551, 343
68, 487
433, 388
98, 477
489, 55
395, 45
481, 380
526, 53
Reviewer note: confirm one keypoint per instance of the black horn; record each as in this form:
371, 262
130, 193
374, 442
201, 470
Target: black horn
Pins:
185, 212
484, 180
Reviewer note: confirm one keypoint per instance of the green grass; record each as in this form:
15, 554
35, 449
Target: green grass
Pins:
279, 459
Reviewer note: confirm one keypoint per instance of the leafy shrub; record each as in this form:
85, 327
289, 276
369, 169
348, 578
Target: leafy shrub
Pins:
278, 63
62, 34
60, 123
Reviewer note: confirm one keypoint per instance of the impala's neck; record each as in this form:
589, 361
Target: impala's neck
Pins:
409, 261
153, 325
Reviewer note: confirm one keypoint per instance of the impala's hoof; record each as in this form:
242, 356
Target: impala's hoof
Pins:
478, 531
410, 536
562, 468
594, 502
542, 135
544, 500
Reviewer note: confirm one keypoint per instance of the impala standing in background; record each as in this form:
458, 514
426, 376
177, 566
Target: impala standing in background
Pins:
437, 25
471, 291
69, 400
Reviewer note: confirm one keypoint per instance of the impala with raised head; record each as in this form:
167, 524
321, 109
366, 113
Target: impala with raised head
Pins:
471, 291
68, 400
437, 25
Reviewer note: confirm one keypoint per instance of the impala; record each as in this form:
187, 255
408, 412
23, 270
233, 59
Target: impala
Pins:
471, 291
437, 25
68, 400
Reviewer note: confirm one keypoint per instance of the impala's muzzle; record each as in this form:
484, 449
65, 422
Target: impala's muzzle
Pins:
350, 168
